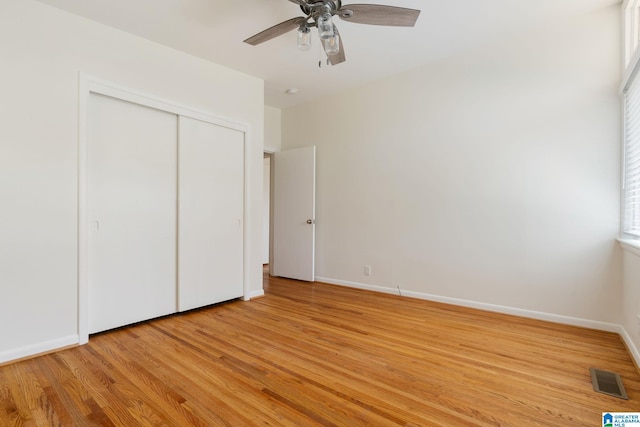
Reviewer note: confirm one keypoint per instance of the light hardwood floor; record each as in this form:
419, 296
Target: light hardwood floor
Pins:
315, 354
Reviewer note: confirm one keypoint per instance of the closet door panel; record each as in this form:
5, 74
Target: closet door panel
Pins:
210, 218
132, 168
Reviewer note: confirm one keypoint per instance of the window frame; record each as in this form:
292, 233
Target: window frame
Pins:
630, 216
630, 81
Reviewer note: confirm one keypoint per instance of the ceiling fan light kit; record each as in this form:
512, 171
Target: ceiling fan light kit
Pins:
320, 13
304, 38
325, 26
332, 45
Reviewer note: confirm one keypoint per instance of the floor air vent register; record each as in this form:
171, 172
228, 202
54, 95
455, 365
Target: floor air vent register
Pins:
608, 383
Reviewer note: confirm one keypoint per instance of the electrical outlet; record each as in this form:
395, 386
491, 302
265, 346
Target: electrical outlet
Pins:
367, 270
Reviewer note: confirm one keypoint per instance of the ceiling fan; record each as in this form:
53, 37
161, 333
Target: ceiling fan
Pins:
319, 13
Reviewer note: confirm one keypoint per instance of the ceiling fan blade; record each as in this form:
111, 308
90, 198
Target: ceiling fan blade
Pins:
276, 30
339, 57
375, 14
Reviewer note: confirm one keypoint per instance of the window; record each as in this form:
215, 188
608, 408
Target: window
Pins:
631, 185
631, 24
631, 131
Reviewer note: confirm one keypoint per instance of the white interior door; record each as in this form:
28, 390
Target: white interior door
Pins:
211, 209
294, 176
132, 163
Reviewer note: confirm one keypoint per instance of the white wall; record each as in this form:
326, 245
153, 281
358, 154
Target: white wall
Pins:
43, 50
631, 298
490, 178
272, 128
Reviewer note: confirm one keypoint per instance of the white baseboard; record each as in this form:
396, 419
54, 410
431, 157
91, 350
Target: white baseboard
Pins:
555, 318
383, 289
633, 350
35, 349
256, 294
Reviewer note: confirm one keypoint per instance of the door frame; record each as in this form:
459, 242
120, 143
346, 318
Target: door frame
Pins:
88, 85
270, 153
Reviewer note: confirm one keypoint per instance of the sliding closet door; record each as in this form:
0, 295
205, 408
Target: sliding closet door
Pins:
211, 206
132, 208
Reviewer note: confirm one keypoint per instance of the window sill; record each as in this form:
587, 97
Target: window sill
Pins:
630, 245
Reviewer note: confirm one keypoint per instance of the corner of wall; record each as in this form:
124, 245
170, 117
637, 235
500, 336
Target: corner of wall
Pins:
272, 129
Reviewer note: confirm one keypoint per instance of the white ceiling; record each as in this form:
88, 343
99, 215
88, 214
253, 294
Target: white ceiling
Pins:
215, 30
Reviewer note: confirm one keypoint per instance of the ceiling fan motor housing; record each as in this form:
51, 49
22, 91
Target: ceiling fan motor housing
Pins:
316, 8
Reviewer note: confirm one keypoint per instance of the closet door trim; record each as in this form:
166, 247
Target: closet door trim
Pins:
88, 85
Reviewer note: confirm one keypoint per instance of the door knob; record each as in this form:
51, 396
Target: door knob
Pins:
310, 221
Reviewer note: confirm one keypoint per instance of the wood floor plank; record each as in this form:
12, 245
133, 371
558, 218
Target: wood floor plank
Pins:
204, 370
9, 413
189, 385
263, 340
27, 394
317, 354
